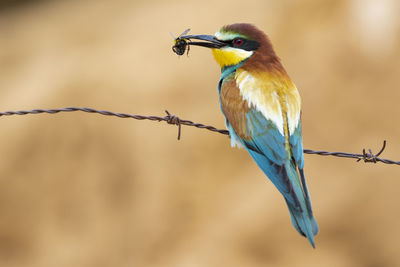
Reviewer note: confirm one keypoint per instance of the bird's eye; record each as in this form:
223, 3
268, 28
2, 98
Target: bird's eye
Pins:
238, 42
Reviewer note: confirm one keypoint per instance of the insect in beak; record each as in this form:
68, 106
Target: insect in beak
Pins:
184, 41
180, 44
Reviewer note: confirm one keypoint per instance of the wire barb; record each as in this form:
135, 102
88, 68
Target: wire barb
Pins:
175, 120
172, 119
370, 157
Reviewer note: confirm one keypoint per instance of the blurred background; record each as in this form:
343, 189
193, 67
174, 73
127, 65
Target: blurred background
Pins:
80, 189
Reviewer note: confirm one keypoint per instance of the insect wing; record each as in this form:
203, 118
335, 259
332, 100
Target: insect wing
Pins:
184, 32
173, 36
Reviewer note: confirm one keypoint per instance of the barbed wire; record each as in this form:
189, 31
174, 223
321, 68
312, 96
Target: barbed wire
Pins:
175, 120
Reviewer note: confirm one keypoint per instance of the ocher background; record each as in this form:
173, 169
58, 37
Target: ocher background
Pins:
86, 190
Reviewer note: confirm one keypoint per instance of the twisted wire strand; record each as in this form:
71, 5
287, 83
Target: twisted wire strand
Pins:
175, 120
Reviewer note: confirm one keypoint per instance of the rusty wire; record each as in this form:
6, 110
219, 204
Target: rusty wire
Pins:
175, 120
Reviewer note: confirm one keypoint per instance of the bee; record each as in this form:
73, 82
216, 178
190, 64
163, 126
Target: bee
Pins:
180, 45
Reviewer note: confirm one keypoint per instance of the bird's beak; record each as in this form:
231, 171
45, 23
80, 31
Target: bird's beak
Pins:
207, 40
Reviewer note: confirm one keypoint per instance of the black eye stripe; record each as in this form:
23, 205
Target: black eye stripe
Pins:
248, 45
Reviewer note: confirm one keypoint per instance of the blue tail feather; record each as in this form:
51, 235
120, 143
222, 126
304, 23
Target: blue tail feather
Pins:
295, 192
303, 219
306, 225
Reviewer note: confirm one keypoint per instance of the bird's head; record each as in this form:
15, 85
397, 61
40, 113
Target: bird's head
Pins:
236, 43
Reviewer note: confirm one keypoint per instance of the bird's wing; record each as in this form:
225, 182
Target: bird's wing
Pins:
264, 113
261, 137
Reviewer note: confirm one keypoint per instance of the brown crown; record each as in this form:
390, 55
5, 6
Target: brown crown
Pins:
264, 57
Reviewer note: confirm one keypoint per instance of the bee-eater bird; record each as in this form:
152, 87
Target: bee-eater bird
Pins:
262, 108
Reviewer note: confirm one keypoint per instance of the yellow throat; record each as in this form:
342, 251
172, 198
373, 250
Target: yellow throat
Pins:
229, 56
